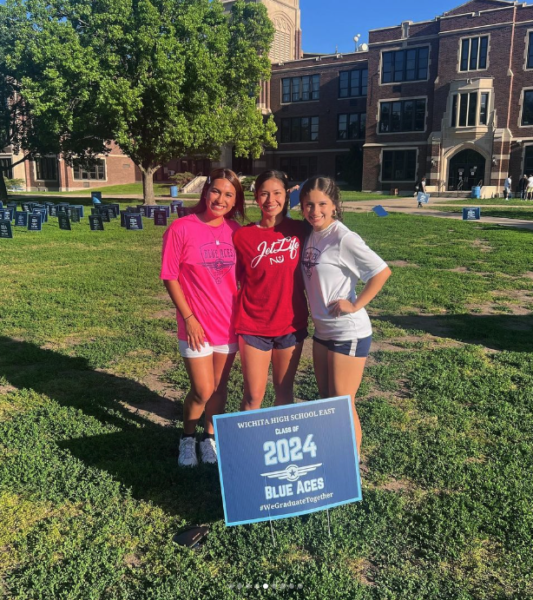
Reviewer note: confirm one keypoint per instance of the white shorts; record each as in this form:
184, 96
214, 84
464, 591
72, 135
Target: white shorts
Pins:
207, 350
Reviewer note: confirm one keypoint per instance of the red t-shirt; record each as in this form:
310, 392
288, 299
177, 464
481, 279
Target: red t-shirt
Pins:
271, 300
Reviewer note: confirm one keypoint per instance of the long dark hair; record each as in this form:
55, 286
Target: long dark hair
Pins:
328, 187
273, 174
237, 212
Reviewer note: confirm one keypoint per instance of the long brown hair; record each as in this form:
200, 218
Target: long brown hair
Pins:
273, 174
237, 212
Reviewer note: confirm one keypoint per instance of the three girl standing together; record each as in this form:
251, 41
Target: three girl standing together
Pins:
206, 253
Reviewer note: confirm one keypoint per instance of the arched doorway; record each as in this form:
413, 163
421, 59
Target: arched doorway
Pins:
467, 169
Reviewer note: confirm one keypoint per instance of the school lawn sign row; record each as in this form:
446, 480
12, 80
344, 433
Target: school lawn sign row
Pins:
33, 215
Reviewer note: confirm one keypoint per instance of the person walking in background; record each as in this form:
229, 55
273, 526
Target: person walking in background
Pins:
334, 260
522, 187
530, 187
272, 310
421, 189
199, 272
507, 188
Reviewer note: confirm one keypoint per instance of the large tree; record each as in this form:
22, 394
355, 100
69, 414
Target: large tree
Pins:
47, 105
163, 78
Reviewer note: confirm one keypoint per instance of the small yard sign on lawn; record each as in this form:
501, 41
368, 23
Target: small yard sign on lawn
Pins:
96, 223
6, 230
380, 211
472, 213
134, 221
287, 460
35, 222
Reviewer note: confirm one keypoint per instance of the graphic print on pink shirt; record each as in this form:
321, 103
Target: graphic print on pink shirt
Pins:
218, 258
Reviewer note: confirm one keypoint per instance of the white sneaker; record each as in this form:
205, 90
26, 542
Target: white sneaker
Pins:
187, 456
208, 451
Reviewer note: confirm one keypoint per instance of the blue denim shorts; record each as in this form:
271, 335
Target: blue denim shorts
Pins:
357, 348
280, 342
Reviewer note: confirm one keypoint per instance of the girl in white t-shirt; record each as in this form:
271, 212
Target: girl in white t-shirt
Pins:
333, 261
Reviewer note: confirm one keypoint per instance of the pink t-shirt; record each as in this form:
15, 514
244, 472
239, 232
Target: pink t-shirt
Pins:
202, 259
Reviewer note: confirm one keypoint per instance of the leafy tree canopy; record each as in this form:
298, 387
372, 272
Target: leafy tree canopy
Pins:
163, 78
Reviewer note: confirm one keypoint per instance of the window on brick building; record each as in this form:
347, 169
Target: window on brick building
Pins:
527, 108
353, 83
404, 115
95, 171
300, 89
46, 168
398, 165
299, 168
351, 126
299, 129
470, 109
528, 160
6, 168
474, 53
405, 65
530, 51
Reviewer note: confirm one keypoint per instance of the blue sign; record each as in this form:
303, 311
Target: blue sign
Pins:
134, 221
380, 211
287, 460
160, 218
294, 196
96, 223
6, 231
52, 211
96, 197
423, 198
6, 214
80, 209
74, 214
21, 219
64, 221
472, 213
27, 206
35, 222
116, 209
41, 211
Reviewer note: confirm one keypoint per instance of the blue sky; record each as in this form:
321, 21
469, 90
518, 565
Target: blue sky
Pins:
330, 23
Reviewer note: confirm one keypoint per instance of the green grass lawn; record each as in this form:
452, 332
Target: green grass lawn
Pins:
484, 202
521, 212
90, 418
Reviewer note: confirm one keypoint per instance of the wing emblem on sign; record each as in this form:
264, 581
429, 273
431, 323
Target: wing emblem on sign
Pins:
292, 472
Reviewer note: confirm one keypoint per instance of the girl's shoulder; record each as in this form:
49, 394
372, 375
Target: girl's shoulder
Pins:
233, 225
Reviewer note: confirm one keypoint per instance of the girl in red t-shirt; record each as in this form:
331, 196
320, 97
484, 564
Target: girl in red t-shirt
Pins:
272, 310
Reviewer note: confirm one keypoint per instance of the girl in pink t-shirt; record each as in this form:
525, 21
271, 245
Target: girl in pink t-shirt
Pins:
198, 269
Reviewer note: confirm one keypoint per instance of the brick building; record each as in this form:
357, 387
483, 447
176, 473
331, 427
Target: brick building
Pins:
52, 173
450, 99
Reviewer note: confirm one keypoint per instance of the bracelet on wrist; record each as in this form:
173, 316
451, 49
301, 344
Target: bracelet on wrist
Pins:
191, 315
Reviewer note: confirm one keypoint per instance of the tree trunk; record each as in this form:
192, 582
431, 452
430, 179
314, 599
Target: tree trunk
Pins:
148, 184
3, 188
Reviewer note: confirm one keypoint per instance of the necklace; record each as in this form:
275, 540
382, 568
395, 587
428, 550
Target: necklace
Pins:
222, 227
217, 239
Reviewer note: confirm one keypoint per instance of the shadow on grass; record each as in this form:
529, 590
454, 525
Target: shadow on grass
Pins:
498, 332
140, 454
